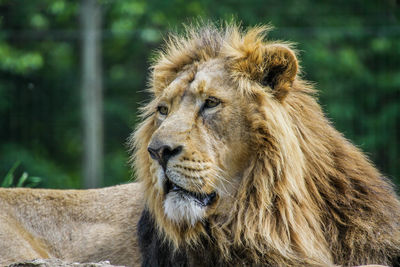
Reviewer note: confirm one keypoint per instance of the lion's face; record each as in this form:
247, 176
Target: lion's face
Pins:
200, 145
216, 139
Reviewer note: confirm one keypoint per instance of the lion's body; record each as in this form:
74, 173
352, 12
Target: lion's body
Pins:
72, 225
244, 168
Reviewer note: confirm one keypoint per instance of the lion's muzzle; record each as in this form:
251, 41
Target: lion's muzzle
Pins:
162, 154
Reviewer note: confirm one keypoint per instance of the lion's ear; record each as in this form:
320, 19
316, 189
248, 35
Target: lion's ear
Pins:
279, 70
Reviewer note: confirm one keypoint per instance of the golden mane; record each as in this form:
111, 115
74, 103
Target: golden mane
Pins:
309, 196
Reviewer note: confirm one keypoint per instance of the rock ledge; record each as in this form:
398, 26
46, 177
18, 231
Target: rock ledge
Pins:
60, 263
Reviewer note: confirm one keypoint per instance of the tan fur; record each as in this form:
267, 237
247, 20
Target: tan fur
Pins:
72, 225
291, 189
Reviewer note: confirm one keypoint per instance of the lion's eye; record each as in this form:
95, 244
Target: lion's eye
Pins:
211, 102
163, 110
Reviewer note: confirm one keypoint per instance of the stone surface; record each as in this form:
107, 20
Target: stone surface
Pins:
59, 263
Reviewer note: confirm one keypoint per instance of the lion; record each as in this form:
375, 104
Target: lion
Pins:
237, 166
240, 166
72, 225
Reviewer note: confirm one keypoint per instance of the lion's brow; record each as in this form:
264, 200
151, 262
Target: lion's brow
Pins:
179, 85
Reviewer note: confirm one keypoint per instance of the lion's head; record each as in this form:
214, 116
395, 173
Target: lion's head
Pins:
234, 146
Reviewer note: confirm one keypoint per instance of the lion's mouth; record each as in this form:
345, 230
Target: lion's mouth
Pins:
199, 198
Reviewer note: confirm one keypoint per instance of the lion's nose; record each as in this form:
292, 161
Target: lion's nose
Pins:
163, 153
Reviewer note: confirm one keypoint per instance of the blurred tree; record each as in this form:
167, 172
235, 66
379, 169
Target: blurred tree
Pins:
92, 94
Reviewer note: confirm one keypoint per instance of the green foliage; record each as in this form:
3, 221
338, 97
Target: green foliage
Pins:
351, 49
19, 62
23, 181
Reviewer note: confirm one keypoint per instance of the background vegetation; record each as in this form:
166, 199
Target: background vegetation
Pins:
351, 49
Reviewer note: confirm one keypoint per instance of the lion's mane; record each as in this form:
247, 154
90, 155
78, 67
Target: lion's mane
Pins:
308, 197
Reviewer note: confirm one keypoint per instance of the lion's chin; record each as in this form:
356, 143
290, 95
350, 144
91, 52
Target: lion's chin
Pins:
183, 210
182, 206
